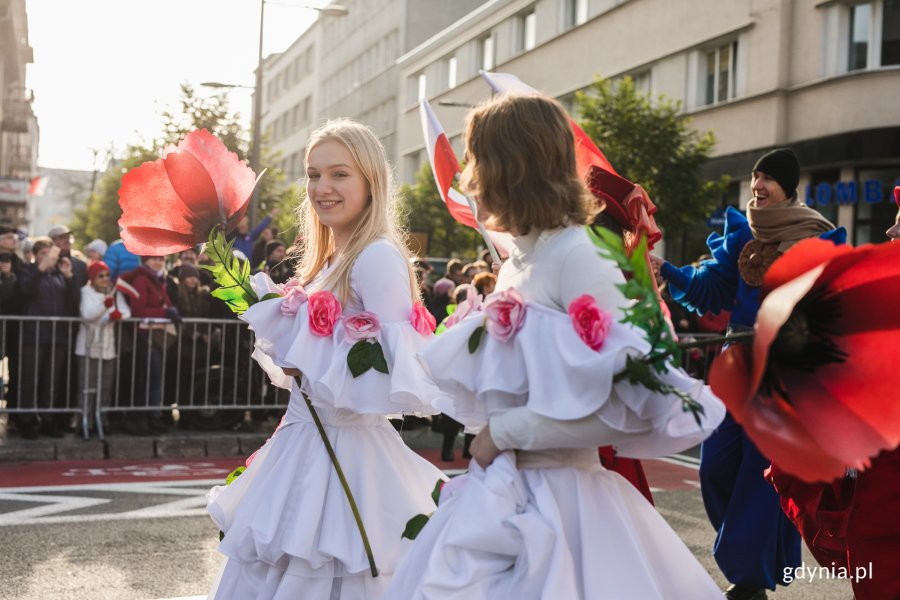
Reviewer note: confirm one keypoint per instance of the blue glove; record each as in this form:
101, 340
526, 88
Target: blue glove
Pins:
173, 315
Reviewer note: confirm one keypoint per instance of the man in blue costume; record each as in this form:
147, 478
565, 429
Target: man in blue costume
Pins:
755, 540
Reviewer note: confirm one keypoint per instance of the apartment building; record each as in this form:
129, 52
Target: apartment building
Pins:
820, 76
345, 66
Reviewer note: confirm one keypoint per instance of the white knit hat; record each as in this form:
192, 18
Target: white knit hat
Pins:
98, 246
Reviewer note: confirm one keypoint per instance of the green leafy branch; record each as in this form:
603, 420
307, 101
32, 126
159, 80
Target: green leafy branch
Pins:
232, 276
645, 314
415, 525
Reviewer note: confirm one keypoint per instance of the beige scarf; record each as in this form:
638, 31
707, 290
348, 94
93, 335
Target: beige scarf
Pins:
786, 224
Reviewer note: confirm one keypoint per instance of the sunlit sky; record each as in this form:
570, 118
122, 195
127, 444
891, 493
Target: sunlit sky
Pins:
104, 70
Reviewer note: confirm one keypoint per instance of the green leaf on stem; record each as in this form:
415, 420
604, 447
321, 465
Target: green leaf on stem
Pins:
270, 296
359, 359
475, 338
414, 526
232, 276
378, 361
235, 474
436, 492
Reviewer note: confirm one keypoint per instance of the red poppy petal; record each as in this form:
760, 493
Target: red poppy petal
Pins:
152, 241
897, 195
865, 264
148, 199
799, 259
865, 383
829, 420
233, 179
869, 307
729, 376
194, 186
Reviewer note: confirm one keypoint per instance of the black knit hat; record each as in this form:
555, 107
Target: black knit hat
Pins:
781, 165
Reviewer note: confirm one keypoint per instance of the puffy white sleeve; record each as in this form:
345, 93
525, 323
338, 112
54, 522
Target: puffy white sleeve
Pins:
584, 271
380, 281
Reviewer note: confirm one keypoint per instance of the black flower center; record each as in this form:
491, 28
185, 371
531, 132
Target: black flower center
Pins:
806, 341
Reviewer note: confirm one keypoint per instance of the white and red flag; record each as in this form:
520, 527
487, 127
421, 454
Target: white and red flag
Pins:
446, 168
38, 185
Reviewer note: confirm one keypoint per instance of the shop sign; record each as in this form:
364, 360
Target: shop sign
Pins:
870, 191
13, 190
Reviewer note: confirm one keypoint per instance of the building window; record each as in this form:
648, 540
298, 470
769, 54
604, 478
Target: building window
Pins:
451, 72
890, 33
576, 12
860, 26
526, 31
486, 60
641, 81
720, 68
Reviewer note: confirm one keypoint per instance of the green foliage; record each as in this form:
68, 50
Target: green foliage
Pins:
235, 474
649, 143
644, 314
231, 274
365, 355
436, 492
422, 208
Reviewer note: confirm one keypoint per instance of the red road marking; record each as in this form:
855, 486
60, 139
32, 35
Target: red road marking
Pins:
661, 475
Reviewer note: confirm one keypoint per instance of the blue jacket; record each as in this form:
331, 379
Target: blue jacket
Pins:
120, 259
244, 243
716, 284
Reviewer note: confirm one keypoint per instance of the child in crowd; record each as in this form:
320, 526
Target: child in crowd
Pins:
538, 516
289, 531
95, 344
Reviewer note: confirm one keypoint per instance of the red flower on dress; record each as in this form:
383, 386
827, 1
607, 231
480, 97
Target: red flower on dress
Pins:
817, 391
422, 320
591, 322
173, 203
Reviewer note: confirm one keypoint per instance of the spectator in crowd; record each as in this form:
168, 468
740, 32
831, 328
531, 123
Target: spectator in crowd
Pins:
484, 284
27, 250
48, 288
7, 278
191, 258
95, 251
62, 239
95, 345
455, 271
440, 298
244, 238
10, 267
259, 247
120, 260
423, 270
153, 302
11, 304
279, 268
192, 299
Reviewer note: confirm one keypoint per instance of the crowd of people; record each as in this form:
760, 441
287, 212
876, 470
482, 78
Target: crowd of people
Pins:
62, 342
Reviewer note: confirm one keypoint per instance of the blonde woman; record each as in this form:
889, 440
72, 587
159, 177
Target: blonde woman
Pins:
289, 531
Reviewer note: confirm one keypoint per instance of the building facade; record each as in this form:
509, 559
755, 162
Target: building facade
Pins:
345, 66
18, 125
822, 77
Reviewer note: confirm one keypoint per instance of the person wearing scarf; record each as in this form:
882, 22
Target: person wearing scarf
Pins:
756, 543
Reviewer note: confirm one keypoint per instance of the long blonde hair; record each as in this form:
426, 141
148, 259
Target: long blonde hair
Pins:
378, 219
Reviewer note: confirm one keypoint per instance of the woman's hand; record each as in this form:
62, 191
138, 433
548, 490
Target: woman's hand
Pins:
292, 372
483, 449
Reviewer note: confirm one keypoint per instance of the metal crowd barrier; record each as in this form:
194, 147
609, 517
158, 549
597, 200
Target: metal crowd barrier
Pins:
202, 367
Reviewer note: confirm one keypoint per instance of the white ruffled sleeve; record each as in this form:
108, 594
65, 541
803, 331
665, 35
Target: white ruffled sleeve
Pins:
380, 281
380, 285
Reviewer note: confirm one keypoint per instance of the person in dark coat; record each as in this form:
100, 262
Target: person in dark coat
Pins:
47, 287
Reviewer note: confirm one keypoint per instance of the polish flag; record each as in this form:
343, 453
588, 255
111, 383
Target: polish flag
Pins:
127, 289
446, 169
38, 186
593, 167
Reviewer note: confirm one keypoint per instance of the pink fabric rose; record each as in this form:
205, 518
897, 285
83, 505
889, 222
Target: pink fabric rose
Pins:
590, 321
324, 312
471, 304
422, 320
505, 314
294, 297
361, 326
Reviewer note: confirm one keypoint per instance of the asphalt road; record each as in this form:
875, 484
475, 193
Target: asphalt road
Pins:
123, 531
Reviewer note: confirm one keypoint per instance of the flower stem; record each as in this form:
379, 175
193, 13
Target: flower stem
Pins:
340, 474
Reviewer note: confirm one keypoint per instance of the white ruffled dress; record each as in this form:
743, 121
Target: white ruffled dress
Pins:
553, 523
289, 530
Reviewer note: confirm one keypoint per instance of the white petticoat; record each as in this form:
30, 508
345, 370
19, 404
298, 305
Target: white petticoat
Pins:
579, 533
288, 342
548, 368
289, 530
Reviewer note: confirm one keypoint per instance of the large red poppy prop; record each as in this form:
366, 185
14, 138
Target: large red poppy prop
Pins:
817, 391
171, 204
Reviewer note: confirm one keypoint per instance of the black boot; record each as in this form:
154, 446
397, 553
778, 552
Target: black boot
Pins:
745, 592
